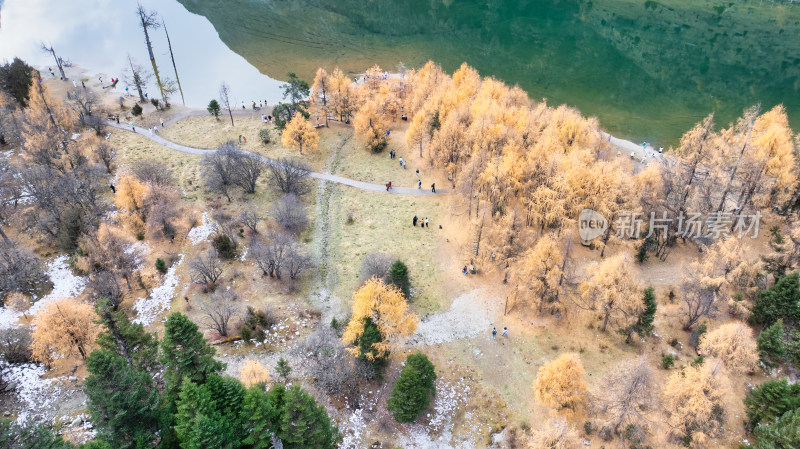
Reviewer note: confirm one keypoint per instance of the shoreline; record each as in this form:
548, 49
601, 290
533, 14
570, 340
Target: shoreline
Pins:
178, 111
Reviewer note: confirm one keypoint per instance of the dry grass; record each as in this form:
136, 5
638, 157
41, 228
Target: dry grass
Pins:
382, 223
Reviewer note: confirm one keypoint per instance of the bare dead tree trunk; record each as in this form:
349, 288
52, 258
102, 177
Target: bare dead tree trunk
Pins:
172, 56
147, 20
58, 60
751, 122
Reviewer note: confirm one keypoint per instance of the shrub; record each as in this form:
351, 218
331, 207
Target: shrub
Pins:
136, 110
414, 388
290, 213
283, 369
588, 428
15, 345
161, 266
246, 333
667, 361
698, 360
697, 332
779, 301
263, 134
377, 265
226, 248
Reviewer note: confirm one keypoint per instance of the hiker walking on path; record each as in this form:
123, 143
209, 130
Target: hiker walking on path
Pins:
401, 161
404, 165
419, 184
433, 187
414, 221
426, 222
505, 332
162, 122
417, 173
133, 127
494, 332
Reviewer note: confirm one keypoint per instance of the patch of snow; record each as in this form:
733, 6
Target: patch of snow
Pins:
139, 249
148, 309
65, 284
36, 396
8, 318
438, 434
467, 316
75, 136
353, 431
243, 257
201, 233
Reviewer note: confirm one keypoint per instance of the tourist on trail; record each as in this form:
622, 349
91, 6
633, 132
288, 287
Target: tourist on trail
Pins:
162, 122
401, 161
151, 131
117, 117
387, 186
505, 332
419, 184
244, 138
433, 187
390, 184
133, 127
417, 173
414, 221
426, 222
464, 270
155, 129
83, 84
404, 165
494, 332
240, 138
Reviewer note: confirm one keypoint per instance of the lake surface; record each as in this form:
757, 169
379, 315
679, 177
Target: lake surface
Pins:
648, 70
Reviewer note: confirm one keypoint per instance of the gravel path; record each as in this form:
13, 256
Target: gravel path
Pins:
324, 176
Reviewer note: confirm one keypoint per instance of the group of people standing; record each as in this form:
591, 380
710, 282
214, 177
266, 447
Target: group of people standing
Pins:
393, 155
423, 222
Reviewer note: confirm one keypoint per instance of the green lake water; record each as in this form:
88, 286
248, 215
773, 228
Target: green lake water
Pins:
648, 70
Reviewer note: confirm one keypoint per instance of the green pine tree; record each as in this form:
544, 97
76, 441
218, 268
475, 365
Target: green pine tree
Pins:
644, 325
210, 415
414, 388
213, 108
304, 424
123, 401
784, 433
185, 354
771, 347
768, 401
129, 340
366, 340
283, 369
398, 275
779, 301
260, 416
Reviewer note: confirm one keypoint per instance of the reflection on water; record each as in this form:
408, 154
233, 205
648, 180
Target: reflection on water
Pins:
97, 35
647, 69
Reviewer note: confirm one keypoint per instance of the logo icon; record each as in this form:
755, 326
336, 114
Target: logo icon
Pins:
591, 225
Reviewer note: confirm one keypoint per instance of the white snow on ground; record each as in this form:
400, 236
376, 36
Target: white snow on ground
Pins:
148, 309
65, 284
36, 396
139, 249
353, 431
243, 257
468, 315
8, 318
200, 234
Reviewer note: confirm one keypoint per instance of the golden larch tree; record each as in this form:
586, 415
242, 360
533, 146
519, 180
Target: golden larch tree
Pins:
541, 273
370, 126
320, 92
388, 309
612, 291
253, 373
734, 344
340, 99
130, 199
46, 130
693, 402
556, 433
64, 328
299, 134
560, 384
